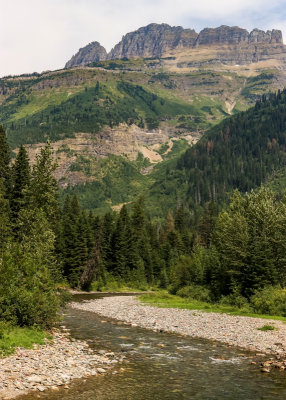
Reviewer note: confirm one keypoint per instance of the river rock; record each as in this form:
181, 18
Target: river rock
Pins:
56, 363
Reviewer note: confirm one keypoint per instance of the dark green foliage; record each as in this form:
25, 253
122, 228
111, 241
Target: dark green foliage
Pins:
249, 238
21, 181
5, 225
270, 300
5, 171
240, 152
126, 247
28, 267
77, 243
43, 190
27, 290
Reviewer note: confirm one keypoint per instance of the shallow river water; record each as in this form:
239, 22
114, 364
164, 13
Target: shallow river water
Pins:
164, 366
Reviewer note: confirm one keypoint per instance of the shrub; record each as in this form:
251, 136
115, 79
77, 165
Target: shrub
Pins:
188, 270
271, 300
27, 292
236, 300
4, 328
196, 292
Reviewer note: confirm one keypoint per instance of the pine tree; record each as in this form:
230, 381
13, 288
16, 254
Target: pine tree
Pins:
106, 241
95, 269
123, 259
43, 191
5, 171
21, 181
71, 240
5, 228
207, 223
138, 218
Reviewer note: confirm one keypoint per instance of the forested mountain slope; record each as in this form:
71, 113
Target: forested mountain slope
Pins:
125, 108
240, 152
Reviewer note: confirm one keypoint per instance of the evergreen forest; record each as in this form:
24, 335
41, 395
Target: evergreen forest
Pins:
222, 242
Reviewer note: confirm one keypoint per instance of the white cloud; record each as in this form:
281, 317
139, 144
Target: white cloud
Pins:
36, 35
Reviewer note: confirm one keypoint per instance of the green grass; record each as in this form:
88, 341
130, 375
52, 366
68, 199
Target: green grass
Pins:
14, 337
165, 300
267, 328
115, 288
41, 100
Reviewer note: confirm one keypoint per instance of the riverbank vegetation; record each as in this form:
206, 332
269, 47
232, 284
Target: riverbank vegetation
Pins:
29, 268
12, 337
164, 299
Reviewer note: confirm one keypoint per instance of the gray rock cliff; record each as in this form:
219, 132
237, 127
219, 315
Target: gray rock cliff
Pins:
153, 41
156, 40
93, 52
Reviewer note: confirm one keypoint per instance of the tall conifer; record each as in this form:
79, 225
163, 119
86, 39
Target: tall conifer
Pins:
5, 171
21, 180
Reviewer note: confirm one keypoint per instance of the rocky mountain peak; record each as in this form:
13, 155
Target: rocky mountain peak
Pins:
157, 40
152, 41
235, 35
93, 52
222, 35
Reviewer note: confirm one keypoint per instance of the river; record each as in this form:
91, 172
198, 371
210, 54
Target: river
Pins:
161, 366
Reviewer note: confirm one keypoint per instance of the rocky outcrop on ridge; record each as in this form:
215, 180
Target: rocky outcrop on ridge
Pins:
153, 41
233, 35
93, 52
234, 44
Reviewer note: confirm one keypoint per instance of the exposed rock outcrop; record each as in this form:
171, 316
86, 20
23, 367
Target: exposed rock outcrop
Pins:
153, 41
233, 35
234, 45
121, 140
93, 52
222, 35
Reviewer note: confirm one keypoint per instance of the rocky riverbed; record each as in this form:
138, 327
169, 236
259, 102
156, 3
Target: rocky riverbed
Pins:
233, 330
52, 365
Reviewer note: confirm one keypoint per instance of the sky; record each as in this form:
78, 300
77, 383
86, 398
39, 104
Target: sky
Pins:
40, 35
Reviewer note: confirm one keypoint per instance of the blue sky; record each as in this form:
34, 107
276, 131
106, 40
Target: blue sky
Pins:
37, 35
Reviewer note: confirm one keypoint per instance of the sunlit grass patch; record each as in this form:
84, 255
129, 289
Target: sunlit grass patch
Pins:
13, 337
165, 300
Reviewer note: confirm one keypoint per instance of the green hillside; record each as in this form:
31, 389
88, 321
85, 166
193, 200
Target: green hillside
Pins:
241, 152
95, 107
120, 180
60, 103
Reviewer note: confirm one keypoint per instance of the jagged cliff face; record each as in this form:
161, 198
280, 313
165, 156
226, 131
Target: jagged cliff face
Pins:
93, 52
235, 35
153, 41
234, 45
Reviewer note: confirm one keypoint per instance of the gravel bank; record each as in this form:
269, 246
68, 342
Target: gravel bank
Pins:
232, 330
55, 364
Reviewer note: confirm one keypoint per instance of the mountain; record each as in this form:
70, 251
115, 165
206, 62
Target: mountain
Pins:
153, 40
129, 119
230, 45
93, 52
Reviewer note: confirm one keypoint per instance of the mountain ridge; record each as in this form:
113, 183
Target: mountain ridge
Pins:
156, 40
